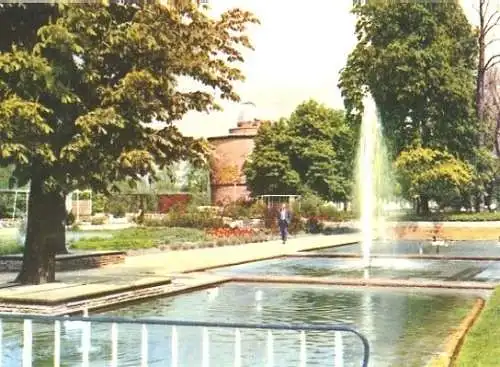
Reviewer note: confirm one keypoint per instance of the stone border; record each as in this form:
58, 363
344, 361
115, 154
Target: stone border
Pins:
66, 262
357, 282
110, 301
79, 298
455, 340
346, 255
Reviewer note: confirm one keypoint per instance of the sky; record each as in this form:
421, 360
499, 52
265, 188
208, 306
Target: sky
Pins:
299, 52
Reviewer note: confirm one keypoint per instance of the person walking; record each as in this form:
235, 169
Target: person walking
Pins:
284, 219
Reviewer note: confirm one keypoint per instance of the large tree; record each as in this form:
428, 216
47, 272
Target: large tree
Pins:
311, 151
432, 174
80, 86
268, 169
418, 60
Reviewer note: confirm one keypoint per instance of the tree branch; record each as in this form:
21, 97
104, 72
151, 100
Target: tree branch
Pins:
489, 26
492, 41
492, 61
485, 4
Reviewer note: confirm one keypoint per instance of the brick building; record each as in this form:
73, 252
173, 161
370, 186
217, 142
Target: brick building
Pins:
227, 181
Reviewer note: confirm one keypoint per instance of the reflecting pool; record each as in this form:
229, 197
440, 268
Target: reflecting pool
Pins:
415, 247
404, 327
383, 268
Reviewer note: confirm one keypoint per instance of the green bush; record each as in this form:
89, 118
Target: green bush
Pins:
141, 238
237, 210
296, 224
190, 218
257, 210
314, 225
96, 221
70, 219
310, 205
448, 217
117, 206
99, 203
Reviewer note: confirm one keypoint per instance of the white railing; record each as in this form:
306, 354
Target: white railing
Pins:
86, 323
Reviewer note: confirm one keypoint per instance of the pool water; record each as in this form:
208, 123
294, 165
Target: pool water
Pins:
404, 327
415, 247
381, 268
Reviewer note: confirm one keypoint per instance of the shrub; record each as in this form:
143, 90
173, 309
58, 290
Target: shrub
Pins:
310, 205
99, 203
99, 220
237, 210
191, 218
314, 225
450, 217
117, 206
70, 218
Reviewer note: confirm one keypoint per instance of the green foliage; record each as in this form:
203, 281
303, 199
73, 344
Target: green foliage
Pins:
99, 203
268, 169
10, 247
140, 238
189, 218
418, 60
97, 75
311, 151
117, 206
433, 174
448, 217
70, 219
96, 221
486, 175
480, 347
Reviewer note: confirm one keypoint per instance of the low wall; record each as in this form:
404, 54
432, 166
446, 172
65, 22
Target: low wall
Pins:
448, 230
12, 263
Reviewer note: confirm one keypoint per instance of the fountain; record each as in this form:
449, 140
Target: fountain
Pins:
371, 175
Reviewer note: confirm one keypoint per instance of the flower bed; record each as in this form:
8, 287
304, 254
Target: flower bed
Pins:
226, 235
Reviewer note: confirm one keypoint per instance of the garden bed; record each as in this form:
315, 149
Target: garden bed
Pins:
170, 239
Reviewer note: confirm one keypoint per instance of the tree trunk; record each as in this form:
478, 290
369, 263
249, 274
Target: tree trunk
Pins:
44, 228
424, 205
481, 60
59, 234
478, 201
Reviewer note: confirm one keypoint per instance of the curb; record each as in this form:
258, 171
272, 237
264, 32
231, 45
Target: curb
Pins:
455, 340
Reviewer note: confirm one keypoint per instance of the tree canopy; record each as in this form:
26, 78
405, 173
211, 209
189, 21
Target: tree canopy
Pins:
433, 175
418, 60
311, 151
81, 85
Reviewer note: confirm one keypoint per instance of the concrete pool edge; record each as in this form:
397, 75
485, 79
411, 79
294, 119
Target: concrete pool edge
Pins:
345, 255
455, 340
356, 282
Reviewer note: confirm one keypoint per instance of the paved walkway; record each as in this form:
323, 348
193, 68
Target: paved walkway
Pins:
157, 266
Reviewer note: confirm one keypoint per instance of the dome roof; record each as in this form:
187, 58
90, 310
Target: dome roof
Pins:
248, 112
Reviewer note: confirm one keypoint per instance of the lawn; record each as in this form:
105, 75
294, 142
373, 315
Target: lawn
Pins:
123, 239
8, 242
481, 347
140, 238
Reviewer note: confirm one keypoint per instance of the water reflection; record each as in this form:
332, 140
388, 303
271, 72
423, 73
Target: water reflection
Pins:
386, 268
404, 327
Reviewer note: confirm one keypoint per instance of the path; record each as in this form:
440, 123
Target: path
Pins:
155, 267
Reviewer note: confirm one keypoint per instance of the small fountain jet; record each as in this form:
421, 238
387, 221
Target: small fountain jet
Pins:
371, 176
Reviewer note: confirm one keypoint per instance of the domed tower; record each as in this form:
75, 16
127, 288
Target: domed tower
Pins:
230, 152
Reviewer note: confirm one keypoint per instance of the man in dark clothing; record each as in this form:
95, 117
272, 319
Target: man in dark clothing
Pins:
284, 219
